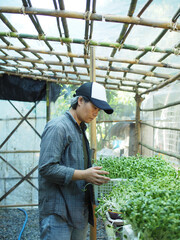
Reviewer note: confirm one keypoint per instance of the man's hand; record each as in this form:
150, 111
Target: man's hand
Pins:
92, 175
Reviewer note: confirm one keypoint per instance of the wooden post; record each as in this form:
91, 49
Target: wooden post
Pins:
47, 101
139, 100
93, 230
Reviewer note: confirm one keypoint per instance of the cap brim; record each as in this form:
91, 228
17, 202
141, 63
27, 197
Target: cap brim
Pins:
102, 105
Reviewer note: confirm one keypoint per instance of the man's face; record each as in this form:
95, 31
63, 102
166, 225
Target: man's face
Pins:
86, 111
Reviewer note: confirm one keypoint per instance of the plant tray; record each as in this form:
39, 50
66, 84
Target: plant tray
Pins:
102, 190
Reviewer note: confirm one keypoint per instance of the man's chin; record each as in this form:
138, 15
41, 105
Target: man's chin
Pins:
88, 121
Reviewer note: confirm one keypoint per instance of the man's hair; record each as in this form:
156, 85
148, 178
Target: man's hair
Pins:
74, 101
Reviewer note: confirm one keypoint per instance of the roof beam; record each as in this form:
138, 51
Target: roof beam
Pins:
66, 80
55, 71
119, 60
104, 68
91, 42
163, 84
92, 16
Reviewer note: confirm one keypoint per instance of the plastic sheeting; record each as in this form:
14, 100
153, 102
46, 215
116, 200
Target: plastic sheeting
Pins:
26, 89
164, 137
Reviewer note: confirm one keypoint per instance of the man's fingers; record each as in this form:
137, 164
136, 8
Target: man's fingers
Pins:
97, 167
101, 181
103, 172
100, 171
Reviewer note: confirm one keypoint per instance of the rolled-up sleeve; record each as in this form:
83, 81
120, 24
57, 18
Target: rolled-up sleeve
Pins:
53, 144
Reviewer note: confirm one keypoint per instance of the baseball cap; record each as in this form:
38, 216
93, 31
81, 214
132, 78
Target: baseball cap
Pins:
96, 93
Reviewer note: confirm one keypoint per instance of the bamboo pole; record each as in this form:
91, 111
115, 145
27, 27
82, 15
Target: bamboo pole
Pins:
161, 85
18, 183
18, 172
86, 37
92, 22
143, 22
20, 151
124, 28
93, 230
112, 59
37, 26
9, 25
18, 118
122, 34
160, 151
92, 16
159, 37
17, 178
12, 132
25, 119
64, 81
158, 127
160, 108
115, 121
103, 68
91, 42
177, 46
132, 25
139, 100
48, 111
66, 31
19, 205
55, 71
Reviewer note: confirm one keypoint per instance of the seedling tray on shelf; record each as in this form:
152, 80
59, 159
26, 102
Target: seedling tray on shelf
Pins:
106, 188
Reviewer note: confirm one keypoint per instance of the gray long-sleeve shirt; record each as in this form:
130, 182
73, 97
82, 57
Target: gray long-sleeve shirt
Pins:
61, 153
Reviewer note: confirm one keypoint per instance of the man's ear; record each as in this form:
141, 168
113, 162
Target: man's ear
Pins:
80, 100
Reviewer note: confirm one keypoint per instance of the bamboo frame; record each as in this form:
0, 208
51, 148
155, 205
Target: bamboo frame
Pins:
21, 151
19, 205
103, 68
66, 31
93, 134
93, 16
160, 36
18, 183
90, 43
163, 128
149, 82
23, 178
88, 16
161, 85
25, 119
138, 100
160, 108
125, 31
11, 133
56, 71
48, 107
159, 151
72, 82
47, 77
111, 59
29, 118
5, 20
18, 172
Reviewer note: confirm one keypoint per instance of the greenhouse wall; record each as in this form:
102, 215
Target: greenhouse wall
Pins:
21, 151
160, 125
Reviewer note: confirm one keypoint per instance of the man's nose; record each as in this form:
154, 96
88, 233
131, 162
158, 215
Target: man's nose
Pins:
96, 113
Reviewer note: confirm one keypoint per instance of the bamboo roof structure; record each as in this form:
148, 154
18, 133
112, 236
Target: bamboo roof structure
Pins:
137, 42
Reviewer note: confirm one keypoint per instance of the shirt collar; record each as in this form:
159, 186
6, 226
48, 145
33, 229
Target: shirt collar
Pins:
82, 124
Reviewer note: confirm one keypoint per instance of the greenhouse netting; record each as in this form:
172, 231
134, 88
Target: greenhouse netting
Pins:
160, 125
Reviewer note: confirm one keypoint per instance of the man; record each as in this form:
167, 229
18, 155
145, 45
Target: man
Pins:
65, 172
